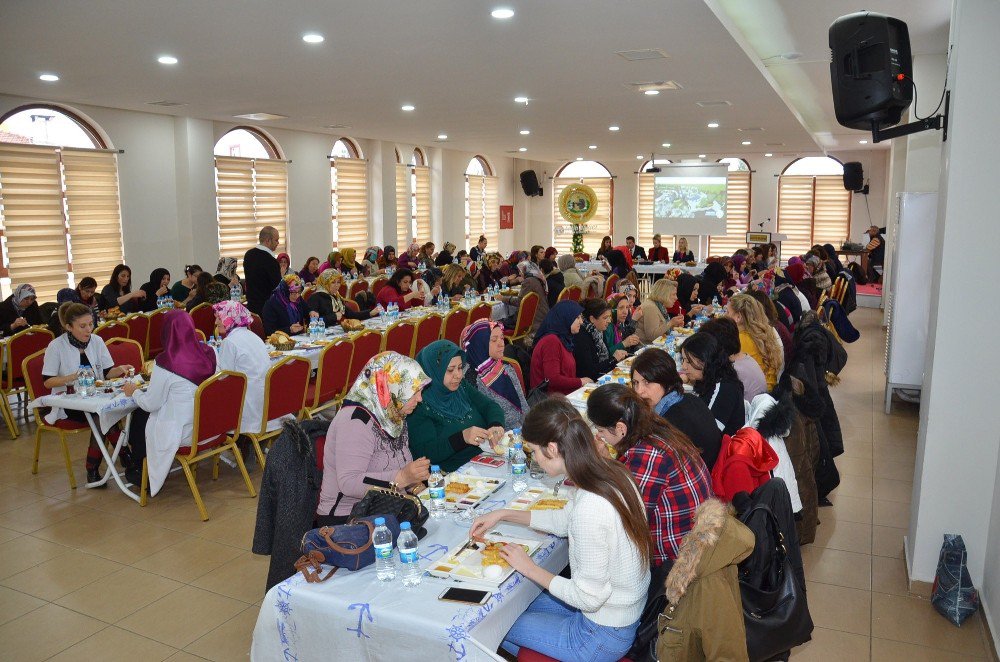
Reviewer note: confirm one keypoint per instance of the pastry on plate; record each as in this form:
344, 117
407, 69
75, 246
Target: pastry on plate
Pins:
457, 488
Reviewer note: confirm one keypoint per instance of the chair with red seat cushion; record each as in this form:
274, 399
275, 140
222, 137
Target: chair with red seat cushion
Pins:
112, 329
20, 346
571, 293
204, 319
138, 329
357, 287
34, 382
399, 338
331, 377
126, 352
257, 326
218, 407
343, 290
306, 293
428, 330
366, 345
154, 341
610, 284
353, 305
285, 389
481, 311
517, 371
378, 284
454, 323
525, 316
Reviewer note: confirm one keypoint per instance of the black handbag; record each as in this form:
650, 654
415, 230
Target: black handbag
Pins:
538, 394
388, 501
644, 646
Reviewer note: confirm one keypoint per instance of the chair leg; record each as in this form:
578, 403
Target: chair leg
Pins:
215, 466
38, 450
259, 452
144, 484
194, 490
243, 469
69, 463
8, 416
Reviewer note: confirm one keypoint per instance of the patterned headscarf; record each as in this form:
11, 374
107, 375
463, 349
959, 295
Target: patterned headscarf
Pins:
232, 314
290, 283
440, 399
385, 384
414, 247
475, 340
329, 281
764, 282
226, 267
529, 268
22, 292
373, 254
216, 292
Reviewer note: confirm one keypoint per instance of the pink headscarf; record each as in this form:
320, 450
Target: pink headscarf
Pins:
232, 314
182, 354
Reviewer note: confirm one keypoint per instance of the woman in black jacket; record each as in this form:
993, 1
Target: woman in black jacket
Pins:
19, 310
284, 310
118, 292
158, 286
706, 366
327, 302
593, 358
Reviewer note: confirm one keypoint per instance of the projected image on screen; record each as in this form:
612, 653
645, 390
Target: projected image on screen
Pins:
690, 197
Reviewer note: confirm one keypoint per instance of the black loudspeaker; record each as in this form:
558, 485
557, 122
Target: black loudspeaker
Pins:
854, 176
869, 52
529, 182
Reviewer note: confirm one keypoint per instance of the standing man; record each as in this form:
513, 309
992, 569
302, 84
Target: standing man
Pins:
876, 251
637, 252
260, 265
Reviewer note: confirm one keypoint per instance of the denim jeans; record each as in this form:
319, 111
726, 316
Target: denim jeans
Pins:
551, 627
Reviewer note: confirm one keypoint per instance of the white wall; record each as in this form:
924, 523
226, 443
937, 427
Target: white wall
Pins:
991, 578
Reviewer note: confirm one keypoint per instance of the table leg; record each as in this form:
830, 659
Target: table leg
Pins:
111, 472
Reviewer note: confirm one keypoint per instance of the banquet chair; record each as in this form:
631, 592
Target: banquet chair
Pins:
200, 334
154, 338
428, 330
454, 322
20, 346
343, 290
112, 329
257, 325
571, 293
481, 311
31, 368
357, 287
285, 390
331, 382
610, 284
378, 284
525, 316
366, 345
218, 406
517, 371
352, 304
306, 293
204, 319
582, 256
138, 329
126, 352
399, 338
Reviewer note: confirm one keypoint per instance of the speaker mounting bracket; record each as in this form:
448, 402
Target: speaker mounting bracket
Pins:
935, 123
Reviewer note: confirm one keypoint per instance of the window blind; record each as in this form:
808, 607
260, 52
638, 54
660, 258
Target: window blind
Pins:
95, 223
644, 237
476, 222
350, 203
601, 224
812, 210
404, 223
491, 214
737, 216
422, 193
271, 198
831, 211
234, 206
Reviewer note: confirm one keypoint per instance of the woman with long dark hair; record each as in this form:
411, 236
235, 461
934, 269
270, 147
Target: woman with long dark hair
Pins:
118, 292
706, 366
594, 614
605, 246
399, 291
747, 369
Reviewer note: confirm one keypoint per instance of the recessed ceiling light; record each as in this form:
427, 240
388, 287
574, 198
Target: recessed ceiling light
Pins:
701, 156
579, 158
522, 149
614, 128
313, 38
167, 59
651, 93
442, 136
48, 78
261, 117
745, 142
862, 142
713, 125
768, 154
592, 146
502, 12
523, 100
639, 156
406, 107
665, 145
525, 132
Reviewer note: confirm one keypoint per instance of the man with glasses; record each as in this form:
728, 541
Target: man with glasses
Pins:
260, 264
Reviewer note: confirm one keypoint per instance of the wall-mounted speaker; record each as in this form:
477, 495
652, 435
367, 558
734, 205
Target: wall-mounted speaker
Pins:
529, 183
854, 176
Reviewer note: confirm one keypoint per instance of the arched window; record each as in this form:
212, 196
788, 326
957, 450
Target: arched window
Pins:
813, 205
251, 190
349, 195
58, 201
482, 204
737, 209
420, 196
647, 181
599, 178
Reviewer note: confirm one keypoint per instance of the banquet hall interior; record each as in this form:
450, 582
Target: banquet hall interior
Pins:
170, 134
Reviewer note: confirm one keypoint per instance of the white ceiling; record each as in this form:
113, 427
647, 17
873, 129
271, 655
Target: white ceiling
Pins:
458, 66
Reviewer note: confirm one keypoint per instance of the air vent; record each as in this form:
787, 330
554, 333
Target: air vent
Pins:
643, 54
166, 104
713, 104
654, 85
261, 117
338, 126
775, 144
751, 129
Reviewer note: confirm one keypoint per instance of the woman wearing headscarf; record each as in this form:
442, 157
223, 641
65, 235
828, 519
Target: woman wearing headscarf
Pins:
593, 358
411, 258
284, 263
164, 420
19, 310
369, 263
157, 286
348, 265
817, 268
454, 418
327, 302
207, 290
368, 442
711, 281
483, 342
617, 262
688, 289
621, 333
509, 267
572, 276
554, 279
310, 270
118, 292
534, 282
334, 260
489, 274
225, 272
788, 294
243, 351
552, 354
387, 259
446, 256
285, 310
831, 254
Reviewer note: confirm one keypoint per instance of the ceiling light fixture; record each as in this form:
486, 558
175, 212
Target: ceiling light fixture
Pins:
665, 145
862, 142
639, 156
651, 93
313, 38
48, 78
406, 107
523, 100
579, 158
525, 132
768, 154
592, 146
713, 125
745, 142
167, 59
614, 128
442, 136
701, 156
522, 149
502, 12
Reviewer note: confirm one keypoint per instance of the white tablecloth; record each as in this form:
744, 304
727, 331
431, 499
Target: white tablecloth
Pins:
110, 408
353, 616
662, 268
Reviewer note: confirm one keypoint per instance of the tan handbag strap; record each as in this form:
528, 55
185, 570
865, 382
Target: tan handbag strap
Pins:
311, 566
326, 530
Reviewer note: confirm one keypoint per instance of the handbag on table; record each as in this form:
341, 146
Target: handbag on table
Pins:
389, 501
343, 546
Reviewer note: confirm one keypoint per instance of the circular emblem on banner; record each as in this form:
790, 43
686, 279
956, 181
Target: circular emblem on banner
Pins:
577, 203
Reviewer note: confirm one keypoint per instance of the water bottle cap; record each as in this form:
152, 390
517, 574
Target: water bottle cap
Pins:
379, 521
404, 526
435, 468
517, 444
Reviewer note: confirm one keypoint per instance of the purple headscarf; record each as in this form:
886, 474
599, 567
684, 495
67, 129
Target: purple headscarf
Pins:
795, 259
182, 354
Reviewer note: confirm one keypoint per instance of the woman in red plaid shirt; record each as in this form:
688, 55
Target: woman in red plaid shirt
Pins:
667, 467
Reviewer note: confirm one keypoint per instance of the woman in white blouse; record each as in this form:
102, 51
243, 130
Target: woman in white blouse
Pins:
78, 348
243, 351
594, 614
165, 419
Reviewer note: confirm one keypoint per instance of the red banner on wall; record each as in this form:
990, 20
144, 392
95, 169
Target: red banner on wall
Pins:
506, 217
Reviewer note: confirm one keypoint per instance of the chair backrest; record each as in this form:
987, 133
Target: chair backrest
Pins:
285, 389
138, 328
609, 285
204, 319
353, 305
334, 368
525, 314
154, 342
571, 293
399, 338
428, 330
218, 407
257, 326
582, 256
357, 286
454, 323
306, 293
20, 346
343, 290
31, 368
517, 371
126, 352
366, 345
378, 284
110, 330
481, 311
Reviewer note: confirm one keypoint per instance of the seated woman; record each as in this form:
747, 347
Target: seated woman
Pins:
655, 380
446, 256
682, 254
659, 252
225, 272
243, 351
347, 263
621, 333
554, 279
284, 263
706, 366
430, 286
207, 290
79, 347
688, 288
552, 354
285, 310
369, 262
399, 292
310, 270
164, 420
327, 303
118, 292
368, 442
334, 260
454, 418
410, 259
771, 312
725, 331
83, 293
656, 318
387, 260
19, 310
425, 257
616, 260
181, 290
594, 614
157, 286
757, 337
509, 267
669, 471
712, 284
592, 282
489, 274
456, 280
483, 343
593, 358
606, 245
533, 281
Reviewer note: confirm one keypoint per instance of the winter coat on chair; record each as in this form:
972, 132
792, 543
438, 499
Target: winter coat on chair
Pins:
774, 421
744, 464
703, 619
289, 492
803, 447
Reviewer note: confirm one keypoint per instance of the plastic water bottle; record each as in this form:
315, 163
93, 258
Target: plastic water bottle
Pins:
515, 439
519, 469
321, 327
81, 381
91, 382
312, 329
435, 486
235, 293
385, 565
408, 556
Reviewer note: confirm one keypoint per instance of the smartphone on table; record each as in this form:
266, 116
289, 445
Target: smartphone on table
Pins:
465, 595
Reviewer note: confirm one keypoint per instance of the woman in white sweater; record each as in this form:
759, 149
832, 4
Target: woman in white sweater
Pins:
593, 615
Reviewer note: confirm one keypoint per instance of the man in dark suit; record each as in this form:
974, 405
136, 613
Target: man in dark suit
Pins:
638, 252
260, 265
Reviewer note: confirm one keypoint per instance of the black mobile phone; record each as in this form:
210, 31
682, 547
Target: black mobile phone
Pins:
466, 595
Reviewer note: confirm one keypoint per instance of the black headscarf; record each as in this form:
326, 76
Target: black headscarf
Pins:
617, 261
713, 274
558, 322
444, 258
831, 253
685, 286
